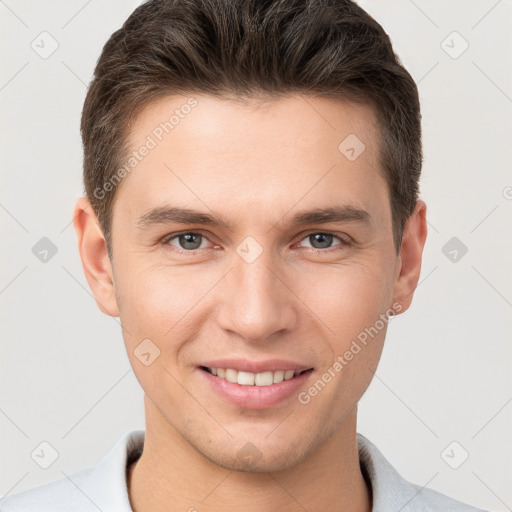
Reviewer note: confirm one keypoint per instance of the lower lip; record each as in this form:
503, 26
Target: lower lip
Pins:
255, 397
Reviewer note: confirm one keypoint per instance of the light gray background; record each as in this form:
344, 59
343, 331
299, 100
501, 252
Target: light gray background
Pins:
445, 372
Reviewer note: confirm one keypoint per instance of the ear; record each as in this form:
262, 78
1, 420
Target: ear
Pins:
93, 253
411, 251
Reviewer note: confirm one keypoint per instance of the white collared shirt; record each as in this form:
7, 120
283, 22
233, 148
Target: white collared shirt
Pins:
104, 488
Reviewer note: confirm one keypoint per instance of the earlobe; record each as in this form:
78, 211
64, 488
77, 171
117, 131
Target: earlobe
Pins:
93, 253
411, 251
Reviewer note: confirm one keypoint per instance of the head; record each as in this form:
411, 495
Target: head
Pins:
251, 174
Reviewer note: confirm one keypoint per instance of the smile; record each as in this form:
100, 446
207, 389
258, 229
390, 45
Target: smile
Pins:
244, 378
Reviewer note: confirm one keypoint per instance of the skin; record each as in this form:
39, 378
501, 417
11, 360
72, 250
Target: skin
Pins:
255, 164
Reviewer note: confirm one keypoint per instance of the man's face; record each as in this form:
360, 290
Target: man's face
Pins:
262, 288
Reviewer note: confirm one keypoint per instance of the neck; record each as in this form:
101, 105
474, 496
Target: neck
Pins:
171, 471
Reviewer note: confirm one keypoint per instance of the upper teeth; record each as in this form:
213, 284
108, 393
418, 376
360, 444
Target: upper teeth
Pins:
253, 379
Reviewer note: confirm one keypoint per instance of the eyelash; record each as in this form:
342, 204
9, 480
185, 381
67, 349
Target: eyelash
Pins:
344, 243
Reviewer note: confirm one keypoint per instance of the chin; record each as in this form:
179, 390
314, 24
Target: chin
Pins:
251, 459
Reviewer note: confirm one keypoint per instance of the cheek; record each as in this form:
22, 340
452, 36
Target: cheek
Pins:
158, 296
348, 302
170, 306
346, 298
160, 317
154, 302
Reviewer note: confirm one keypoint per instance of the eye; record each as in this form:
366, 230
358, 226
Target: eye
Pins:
188, 241
321, 240
192, 241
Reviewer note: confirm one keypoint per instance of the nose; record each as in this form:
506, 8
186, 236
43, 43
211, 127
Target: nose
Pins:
257, 301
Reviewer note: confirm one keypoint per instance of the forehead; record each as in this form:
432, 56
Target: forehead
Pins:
306, 121
279, 151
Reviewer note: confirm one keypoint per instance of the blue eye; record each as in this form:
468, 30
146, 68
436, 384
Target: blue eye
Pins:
192, 241
187, 241
321, 240
324, 240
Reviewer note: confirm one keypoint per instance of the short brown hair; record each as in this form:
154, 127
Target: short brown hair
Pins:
250, 48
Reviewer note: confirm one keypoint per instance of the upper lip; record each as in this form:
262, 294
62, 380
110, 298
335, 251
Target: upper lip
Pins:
246, 365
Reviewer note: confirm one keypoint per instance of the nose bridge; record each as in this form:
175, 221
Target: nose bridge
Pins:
257, 304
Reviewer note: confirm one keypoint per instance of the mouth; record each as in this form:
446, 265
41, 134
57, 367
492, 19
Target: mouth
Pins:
262, 379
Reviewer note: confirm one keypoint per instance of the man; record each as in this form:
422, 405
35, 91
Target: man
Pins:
251, 173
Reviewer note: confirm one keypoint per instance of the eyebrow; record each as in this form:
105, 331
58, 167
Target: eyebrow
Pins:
169, 214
